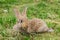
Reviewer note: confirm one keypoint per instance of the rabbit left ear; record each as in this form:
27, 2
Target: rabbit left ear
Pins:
24, 11
17, 12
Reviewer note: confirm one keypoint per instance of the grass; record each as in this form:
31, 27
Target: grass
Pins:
48, 10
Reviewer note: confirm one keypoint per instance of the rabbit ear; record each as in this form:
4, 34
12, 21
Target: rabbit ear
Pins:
24, 11
17, 13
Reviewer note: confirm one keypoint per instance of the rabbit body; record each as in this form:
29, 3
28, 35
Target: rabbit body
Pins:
37, 25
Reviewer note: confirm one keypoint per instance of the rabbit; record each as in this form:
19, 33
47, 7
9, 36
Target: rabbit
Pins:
30, 26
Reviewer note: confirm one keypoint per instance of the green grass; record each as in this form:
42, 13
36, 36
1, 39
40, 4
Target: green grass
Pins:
48, 10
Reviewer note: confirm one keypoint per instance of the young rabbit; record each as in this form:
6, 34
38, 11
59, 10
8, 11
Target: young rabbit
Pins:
30, 26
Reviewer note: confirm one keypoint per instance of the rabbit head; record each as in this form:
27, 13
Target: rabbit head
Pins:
21, 17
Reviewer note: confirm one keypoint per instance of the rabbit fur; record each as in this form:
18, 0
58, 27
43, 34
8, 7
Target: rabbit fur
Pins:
30, 26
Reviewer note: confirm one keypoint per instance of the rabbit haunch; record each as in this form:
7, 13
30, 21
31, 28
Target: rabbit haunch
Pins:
33, 25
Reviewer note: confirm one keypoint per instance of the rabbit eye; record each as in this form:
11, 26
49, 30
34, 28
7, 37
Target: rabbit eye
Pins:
21, 21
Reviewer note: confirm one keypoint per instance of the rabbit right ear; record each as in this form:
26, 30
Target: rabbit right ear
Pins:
17, 12
24, 11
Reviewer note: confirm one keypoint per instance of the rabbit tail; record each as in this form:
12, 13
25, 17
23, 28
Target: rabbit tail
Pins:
50, 30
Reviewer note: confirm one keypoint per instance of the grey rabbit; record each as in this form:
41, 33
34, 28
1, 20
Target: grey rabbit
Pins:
30, 26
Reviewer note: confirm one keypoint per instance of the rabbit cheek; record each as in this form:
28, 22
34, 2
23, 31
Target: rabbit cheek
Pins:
24, 25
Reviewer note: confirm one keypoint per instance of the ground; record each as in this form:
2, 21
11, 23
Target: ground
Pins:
47, 10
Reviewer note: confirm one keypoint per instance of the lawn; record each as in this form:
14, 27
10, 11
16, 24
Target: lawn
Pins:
47, 10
